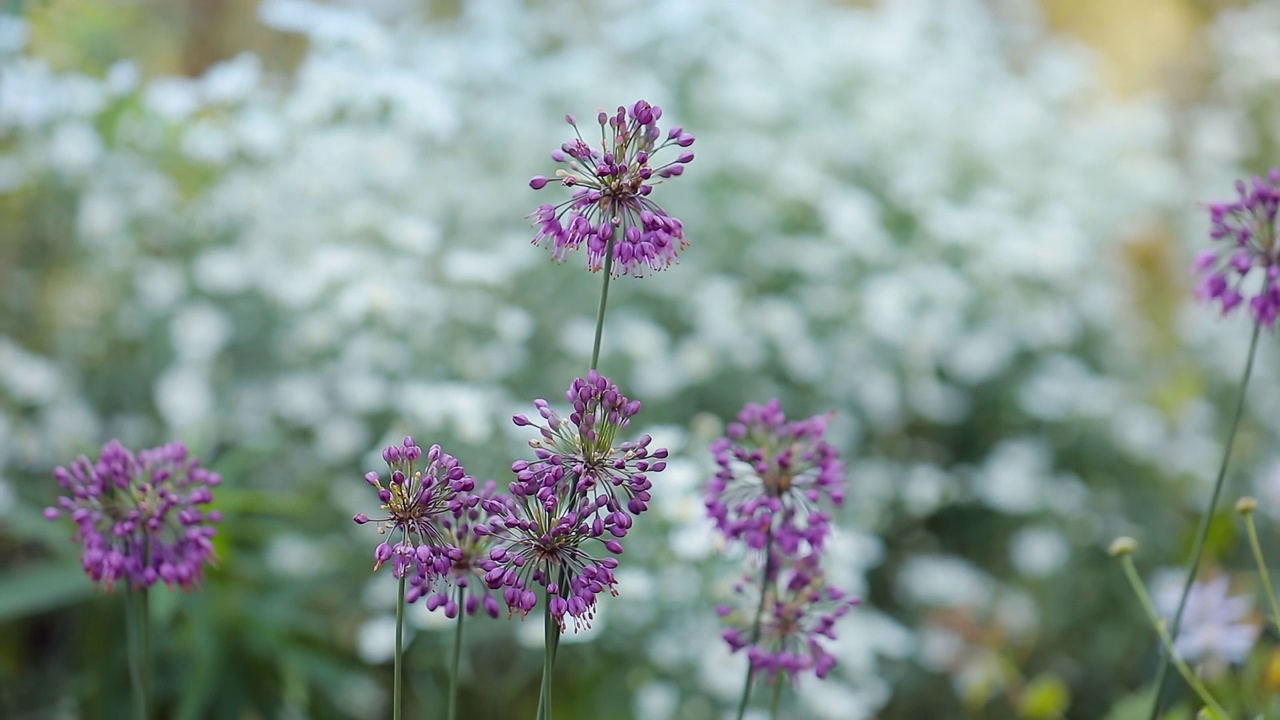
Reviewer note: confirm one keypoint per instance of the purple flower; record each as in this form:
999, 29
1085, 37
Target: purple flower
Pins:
772, 476
139, 517
415, 502
1247, 229
610, 209
793, 621
572, 503
471, 563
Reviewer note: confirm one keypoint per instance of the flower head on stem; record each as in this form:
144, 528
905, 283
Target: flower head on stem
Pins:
140, 517
1245, 229
459, 529
611, 186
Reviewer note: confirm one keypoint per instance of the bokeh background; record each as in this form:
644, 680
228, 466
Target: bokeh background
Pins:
289, 232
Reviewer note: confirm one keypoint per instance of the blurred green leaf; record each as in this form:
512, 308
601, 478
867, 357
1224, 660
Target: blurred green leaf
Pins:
1044, 698
40, 588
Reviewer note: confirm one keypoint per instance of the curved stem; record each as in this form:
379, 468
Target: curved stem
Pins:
765, 587
1141, 591
397, 693
604, 299
1198, 550
1262, 569
457, 654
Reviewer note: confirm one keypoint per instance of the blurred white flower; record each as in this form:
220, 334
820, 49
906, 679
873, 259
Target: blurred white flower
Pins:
1214, 624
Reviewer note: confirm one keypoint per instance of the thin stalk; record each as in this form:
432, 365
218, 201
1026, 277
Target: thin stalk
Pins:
755, 625
397, 694
1141, 591
1198, 550
777, 697
133, 630
457, 654
551, 638
145, 626
604, 299
1262, 569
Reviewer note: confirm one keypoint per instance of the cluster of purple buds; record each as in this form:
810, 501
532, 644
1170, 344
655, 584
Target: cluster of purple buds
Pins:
415, 501
1246, 228
578, 496
139, 517
470, 565
772, 476
610, 209
794, 621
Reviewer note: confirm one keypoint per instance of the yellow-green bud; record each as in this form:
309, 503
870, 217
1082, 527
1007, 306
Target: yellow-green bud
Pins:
1246, 505
1123, 546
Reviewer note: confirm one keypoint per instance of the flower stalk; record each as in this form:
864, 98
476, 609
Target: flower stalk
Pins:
1245, 507
766, 587
397, 691
457, 653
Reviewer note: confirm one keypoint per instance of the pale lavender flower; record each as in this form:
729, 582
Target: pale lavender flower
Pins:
1215, 625
610, 203
415, 502
139, 517
1246, 228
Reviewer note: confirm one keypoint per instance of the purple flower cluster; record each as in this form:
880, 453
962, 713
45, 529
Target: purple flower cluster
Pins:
139, 517
416, 500
471, 563
610, 209
575, 499
1247, 227
792, 623
773, 476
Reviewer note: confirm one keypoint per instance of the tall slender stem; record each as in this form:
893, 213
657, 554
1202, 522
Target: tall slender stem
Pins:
604, 299
1165, 638
397, 693
134, 621
1262, 569
765, 588
551, 638
777, 697
457, 654
1198, 550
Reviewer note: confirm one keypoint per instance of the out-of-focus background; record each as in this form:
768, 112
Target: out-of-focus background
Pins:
289, 232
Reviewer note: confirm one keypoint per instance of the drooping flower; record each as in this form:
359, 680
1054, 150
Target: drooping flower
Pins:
610, 207
140, 517
1246, 231
471, 563
1215, 625
572, 503
795, 616
772, 476
416, 501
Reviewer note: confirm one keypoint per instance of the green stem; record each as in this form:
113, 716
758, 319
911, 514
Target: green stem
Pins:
756, 624
134, 622
1262, 569
1198, 550
551, 639
397, 693
604, 299
777, 697
457, 654
1141, 591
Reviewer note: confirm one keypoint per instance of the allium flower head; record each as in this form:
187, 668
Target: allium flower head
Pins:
1246, 231
1214, 624
139, 517
771, 467
610, 205
415, 502
802, 611
471, 563
575, 499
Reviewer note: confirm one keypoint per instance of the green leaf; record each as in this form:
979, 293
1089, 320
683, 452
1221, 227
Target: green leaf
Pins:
1045, 697
40, 588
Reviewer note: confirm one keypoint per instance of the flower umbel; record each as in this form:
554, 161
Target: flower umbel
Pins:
793, 621
610, 208
1246, 228
771, 467
459, 529
415, 502
575, 499
139, 517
